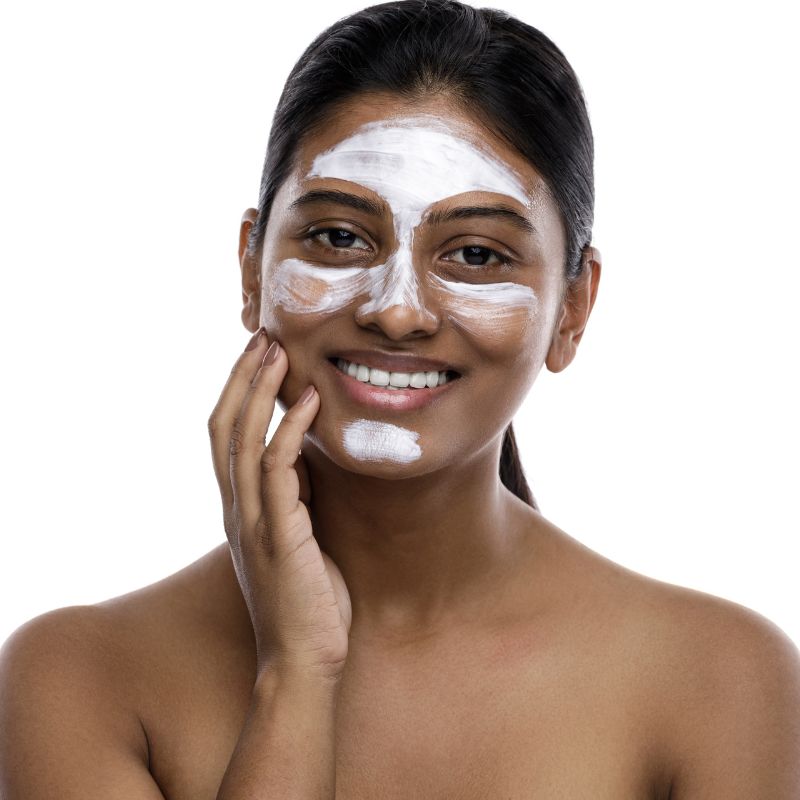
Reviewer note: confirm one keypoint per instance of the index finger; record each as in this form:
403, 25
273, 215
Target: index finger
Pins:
223, 417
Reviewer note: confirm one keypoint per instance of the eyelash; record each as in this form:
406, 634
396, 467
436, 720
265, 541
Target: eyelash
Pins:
502, 259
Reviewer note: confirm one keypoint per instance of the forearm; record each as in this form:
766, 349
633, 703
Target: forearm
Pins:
286, 750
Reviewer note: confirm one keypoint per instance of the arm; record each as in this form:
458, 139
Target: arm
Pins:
65, 732
286, 748
741, 733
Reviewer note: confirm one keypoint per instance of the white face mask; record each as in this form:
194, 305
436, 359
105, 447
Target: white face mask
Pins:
411, 163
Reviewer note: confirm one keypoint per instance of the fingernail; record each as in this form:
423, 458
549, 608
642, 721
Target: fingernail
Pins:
271, 355
306, 396
253, 343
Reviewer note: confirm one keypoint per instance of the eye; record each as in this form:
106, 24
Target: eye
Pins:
478, 256
339, 238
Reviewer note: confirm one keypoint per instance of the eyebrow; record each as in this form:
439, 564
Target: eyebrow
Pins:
432, 218
340, 198
464, 212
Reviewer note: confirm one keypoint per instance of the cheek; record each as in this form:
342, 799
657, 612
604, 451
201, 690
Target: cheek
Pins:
300, 294
508, 326
497, 318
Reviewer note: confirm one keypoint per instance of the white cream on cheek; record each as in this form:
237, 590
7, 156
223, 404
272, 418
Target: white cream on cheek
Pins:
489, 309
303, 288
372, 440
484, 309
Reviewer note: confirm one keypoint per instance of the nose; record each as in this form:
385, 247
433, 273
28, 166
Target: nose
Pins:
400, 322
400, 309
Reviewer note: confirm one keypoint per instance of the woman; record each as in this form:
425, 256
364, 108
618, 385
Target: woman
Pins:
390, 615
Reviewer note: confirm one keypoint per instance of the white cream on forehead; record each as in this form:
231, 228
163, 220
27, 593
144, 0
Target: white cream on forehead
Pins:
372, 440
411, 163
415, 162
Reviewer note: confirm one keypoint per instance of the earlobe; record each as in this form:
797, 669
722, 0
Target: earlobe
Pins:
251, 273
577, 305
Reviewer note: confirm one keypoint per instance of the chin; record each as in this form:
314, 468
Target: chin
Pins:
374, 448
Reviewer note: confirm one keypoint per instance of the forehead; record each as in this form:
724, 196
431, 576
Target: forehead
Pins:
420, 155
417, 159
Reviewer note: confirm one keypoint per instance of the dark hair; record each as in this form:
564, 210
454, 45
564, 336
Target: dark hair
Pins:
506, 73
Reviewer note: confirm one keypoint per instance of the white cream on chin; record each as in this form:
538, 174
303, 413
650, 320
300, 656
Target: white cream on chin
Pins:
411, 163
372, 440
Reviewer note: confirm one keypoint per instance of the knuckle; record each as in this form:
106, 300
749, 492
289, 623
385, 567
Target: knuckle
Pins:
214, 424
270, 461
237, 443
237, 369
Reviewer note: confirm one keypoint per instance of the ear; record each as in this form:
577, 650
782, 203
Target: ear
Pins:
579, 297
251, 274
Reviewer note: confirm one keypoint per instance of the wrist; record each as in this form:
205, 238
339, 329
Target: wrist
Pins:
303, 681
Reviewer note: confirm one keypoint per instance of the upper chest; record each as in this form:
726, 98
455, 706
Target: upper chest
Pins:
483, 720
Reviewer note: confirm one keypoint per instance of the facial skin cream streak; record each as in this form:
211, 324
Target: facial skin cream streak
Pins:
411, 163
372, 440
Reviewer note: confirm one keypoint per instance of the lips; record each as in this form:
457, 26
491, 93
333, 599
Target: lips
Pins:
384, 398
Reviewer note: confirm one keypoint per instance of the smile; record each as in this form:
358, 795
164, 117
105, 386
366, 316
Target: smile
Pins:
393, 380
376, 388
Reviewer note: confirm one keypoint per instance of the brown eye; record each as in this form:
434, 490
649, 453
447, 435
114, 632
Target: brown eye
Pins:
478, 256
339, 238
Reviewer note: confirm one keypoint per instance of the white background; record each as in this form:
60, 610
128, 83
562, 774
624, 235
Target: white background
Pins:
133, 140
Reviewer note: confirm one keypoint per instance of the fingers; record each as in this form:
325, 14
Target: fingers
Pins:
223, 417
284, 514
260, 485
249, 431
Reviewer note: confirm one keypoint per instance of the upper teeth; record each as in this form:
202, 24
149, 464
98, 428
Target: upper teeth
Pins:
392, 380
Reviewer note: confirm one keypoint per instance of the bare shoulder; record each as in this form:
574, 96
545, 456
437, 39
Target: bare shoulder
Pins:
84, 688
731, 698
67, 719
65, 653
715, 648
120, 635
180, 630
695, 632
722, 682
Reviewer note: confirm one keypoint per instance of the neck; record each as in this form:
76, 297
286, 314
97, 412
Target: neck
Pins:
417, 553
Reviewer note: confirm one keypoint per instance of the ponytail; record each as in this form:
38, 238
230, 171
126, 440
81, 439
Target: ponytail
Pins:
511, 472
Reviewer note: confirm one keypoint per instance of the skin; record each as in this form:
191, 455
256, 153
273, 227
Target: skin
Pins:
417, 583
479, 650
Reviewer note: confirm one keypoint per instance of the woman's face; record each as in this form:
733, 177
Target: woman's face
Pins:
411, 246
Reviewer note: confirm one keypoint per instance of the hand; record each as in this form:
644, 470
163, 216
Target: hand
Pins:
298, 602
